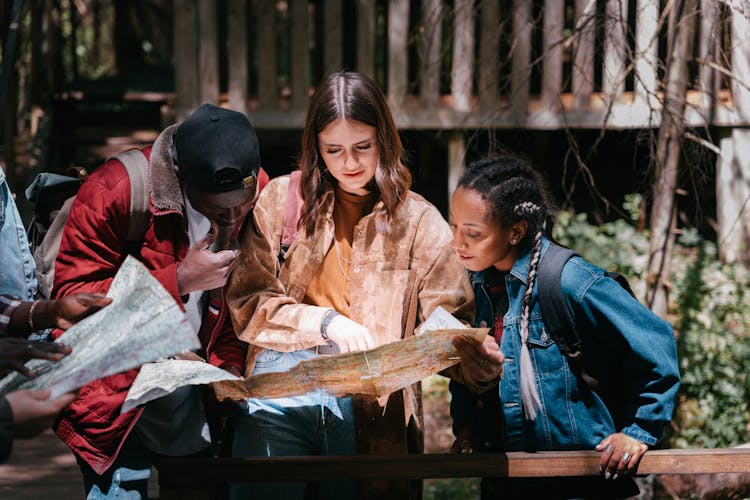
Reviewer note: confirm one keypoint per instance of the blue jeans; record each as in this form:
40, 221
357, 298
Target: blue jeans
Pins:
128, 476
312, 424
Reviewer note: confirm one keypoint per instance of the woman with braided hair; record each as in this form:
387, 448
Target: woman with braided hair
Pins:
501, 220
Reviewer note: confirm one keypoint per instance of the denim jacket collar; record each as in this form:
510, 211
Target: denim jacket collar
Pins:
520, 268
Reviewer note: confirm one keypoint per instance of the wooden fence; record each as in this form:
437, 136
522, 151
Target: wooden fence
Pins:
476, 64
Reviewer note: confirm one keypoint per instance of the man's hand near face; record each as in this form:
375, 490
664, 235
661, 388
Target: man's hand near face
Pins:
202, 269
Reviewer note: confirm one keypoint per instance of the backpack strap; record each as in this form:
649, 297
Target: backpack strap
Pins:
45, 252
292, 210
136, 165
558, 319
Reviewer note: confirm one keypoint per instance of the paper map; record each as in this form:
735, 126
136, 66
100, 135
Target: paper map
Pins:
142, 324
376, 372
163, 377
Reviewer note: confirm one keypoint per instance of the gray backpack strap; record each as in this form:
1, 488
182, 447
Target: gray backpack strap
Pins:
46, 252
136, 164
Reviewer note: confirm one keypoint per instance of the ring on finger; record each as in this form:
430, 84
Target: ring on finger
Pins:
625, 457
608, 449
484, 362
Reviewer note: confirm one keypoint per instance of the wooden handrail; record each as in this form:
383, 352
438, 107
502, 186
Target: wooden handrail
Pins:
191, 472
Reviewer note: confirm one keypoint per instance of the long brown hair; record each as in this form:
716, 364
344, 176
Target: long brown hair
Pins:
355, 97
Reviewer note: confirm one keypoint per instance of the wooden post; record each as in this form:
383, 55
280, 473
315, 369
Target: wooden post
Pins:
300, 54
489, 46
208, 50
456, 156
708, 45
53, 44
35, 81
267, 63
75, 20
552, 64
186, 57
615, 49
366, 37
398, 38
583, 61
429, 74
332, 35
733, 166
646, 51
462, 70
521, 63
237, 55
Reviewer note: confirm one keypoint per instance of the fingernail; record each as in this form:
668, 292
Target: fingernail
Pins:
615, 476
601, 469
607, 475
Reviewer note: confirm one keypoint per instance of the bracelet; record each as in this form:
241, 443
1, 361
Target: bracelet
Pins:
327, 318
31, 315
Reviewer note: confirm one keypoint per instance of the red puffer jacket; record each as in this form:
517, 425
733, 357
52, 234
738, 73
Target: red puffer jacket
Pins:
91, 251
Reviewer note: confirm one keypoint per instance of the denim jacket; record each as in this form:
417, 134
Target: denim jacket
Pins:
622, 339
17, 268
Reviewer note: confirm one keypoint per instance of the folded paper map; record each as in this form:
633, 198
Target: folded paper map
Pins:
164, 377
143, 323
377, 372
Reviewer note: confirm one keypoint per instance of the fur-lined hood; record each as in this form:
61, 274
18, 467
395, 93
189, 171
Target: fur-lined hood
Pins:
163, 184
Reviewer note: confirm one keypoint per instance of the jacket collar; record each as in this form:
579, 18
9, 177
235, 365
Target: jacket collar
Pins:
520, 267
166, 193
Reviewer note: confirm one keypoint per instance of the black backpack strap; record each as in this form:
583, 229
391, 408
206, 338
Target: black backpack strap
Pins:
622, 281
557, 317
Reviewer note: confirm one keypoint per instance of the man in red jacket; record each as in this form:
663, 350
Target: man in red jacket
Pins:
204, 176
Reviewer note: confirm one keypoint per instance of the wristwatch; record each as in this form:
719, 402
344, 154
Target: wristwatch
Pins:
327, 318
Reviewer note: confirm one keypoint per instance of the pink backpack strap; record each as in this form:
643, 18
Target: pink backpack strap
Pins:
292, 209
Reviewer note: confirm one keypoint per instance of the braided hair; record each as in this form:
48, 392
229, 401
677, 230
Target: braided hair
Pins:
515, 192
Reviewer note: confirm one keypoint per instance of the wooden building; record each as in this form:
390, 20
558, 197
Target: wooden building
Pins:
478, 64
457, 66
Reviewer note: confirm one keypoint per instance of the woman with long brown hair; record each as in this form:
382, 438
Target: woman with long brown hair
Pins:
371, 260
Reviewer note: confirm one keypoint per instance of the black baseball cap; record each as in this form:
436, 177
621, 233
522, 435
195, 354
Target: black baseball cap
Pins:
216, 150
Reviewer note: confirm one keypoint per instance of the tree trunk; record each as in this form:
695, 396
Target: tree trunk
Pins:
128, 52
663, 213
9, 86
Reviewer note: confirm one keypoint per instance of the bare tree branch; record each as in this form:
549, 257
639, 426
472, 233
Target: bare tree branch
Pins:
741, 6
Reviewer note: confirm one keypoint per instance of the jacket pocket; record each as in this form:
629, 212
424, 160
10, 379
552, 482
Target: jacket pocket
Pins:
544, 352
389, 295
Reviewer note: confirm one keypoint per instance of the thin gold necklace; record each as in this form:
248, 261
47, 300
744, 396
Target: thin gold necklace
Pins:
339, 258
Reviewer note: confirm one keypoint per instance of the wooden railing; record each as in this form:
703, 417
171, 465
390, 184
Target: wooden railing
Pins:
542, 65
185, 478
